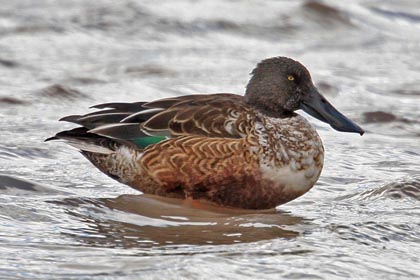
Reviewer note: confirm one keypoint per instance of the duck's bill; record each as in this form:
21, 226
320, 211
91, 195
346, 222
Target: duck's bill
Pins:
317, 106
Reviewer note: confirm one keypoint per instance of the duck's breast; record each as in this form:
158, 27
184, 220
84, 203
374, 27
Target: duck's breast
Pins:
290, 153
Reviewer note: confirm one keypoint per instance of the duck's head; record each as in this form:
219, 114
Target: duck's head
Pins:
281, 85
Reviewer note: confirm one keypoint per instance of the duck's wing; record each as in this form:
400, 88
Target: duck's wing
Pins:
214, 115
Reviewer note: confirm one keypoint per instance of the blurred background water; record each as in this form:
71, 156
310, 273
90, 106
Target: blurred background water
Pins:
61, 218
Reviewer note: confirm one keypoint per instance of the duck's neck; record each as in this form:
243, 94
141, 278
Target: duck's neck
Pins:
263, 98
269, 111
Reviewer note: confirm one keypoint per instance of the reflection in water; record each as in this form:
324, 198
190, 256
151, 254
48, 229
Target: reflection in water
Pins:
139, 220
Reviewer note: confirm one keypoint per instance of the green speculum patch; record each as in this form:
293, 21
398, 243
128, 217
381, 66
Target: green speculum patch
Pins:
146, 141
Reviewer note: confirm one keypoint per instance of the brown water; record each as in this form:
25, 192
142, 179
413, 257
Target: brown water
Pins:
61, 218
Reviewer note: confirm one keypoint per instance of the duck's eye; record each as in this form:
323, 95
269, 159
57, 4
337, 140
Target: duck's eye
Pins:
290, 78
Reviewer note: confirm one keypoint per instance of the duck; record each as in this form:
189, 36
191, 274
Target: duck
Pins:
251, 151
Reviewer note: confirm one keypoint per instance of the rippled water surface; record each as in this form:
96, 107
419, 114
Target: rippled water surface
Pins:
61, 218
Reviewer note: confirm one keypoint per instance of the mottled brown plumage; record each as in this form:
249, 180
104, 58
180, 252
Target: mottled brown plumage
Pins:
205, 115
248, 152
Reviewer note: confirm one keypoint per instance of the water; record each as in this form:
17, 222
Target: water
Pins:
61, 218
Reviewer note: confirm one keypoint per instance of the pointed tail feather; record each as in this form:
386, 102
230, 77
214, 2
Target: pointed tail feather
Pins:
81, 139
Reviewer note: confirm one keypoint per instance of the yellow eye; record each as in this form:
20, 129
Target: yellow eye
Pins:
290, 78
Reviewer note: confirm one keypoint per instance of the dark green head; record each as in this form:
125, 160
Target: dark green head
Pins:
280, 85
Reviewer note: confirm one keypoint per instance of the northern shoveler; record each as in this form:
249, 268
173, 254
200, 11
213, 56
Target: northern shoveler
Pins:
250, 151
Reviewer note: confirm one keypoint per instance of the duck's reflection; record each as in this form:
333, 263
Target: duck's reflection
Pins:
142, 220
